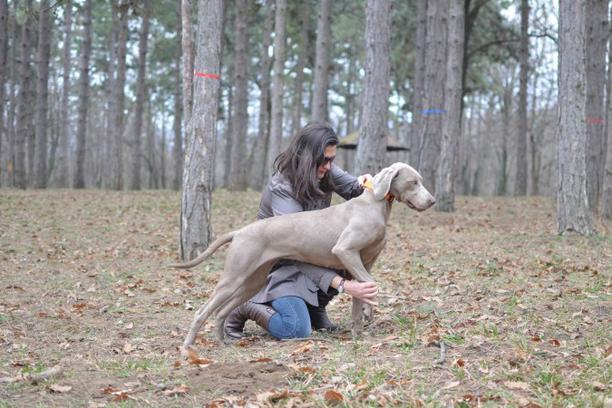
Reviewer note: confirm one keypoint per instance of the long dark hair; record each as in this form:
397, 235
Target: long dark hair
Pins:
305, 153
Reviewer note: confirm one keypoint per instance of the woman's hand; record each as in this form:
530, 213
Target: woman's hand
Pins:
365, 291
365, 180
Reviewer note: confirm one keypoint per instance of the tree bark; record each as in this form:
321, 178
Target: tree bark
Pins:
153, 180
237, 179
119, 96
606, 197
260, 150
109, 136
419, 82
188, 75
141, 93
451, 125
321, 78
79, 174
276, 124
14, 29
597, 36
162, 156
42, 94
197, 176
372, 146
298, 88
183, 16
23, 110
520, 187
572, 200
432, 113
3, 69
64, 161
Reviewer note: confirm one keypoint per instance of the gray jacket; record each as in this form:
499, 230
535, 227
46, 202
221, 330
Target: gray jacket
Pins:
292, 278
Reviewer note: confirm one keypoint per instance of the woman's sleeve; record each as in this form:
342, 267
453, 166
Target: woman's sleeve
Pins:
282, 202
347, 185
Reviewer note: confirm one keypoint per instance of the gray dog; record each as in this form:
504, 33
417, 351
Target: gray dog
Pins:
347, 236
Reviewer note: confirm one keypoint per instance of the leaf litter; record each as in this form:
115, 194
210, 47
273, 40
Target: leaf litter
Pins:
521, 311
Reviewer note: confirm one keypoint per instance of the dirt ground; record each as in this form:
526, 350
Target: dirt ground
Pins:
523, 315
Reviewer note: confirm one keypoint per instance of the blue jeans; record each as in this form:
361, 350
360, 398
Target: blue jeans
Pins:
291, 319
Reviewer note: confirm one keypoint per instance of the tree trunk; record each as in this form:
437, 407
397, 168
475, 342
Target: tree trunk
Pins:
506, 111
606, 196
237, 179
227, 133
188, 75
260, 150
119, 96
432, 112
42, 93
419, 82
14, 29
23, 110
64, 161
109, 136
3, 70
151, 159
183, 17
520, 187
276, 125
321, 77
79, 174
162, 156
197, 177
141, 95
372, 146
572, 201
350, 95
597, 36
31, 104
298, 88
451, 126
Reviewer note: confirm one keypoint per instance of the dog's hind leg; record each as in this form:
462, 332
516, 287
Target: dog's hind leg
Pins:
243, 293
218, 298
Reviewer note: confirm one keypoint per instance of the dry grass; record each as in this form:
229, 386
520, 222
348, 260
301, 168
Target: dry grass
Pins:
524, 313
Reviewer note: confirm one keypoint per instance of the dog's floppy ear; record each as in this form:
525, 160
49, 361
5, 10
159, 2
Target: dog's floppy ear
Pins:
382, 181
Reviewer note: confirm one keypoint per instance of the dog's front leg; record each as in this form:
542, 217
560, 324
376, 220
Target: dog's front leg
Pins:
357, 316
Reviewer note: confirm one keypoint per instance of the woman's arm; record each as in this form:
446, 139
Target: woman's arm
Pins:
347, 185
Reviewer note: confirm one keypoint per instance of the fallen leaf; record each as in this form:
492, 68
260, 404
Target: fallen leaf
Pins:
597, 386
333, 397
460, 362
60, 388
517, 385
261, 360
302, 349
197, 360
181, 389
120, 396
128, 348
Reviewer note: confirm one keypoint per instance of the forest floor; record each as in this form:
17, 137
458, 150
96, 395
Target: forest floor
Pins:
524, 314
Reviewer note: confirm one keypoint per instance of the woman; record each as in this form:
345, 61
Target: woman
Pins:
294, 299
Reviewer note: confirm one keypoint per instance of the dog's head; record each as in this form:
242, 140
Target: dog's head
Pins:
405, 184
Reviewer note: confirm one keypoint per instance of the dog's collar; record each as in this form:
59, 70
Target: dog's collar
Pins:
367, 184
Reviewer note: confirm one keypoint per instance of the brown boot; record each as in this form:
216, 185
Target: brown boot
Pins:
260, 313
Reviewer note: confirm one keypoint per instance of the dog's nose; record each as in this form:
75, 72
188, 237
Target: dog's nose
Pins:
432, 201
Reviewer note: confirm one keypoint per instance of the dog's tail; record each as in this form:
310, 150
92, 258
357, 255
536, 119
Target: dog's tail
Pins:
222, 240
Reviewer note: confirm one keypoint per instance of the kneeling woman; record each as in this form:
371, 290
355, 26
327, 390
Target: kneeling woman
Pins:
293, 301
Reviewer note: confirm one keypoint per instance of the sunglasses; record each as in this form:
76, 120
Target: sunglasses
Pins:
327, 160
